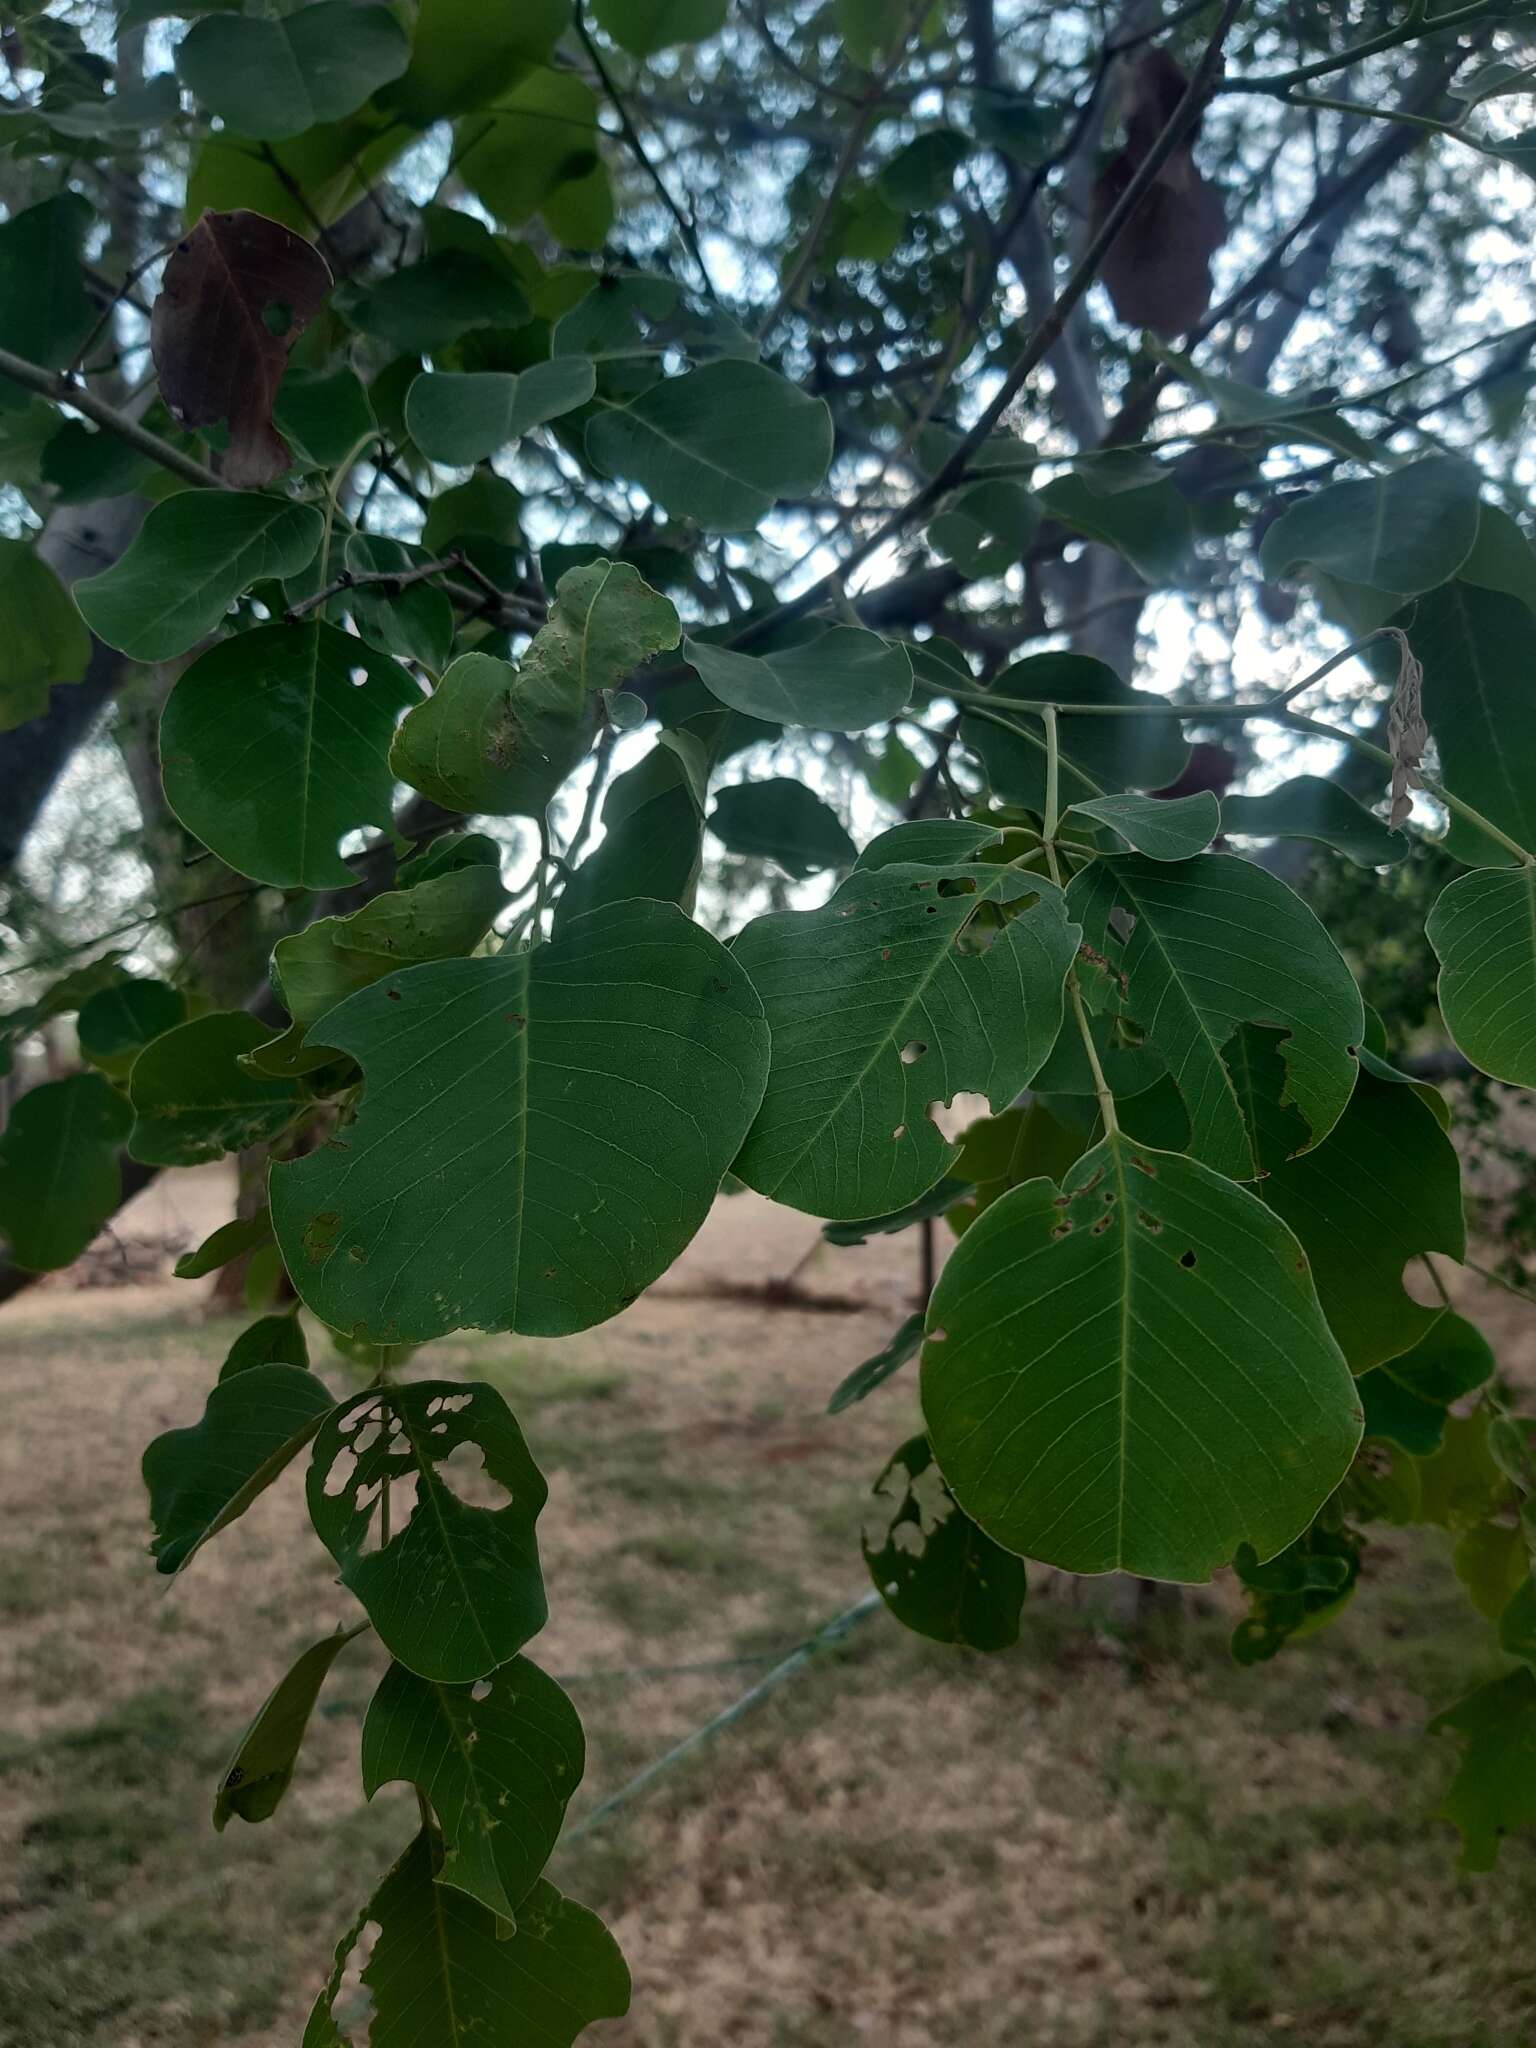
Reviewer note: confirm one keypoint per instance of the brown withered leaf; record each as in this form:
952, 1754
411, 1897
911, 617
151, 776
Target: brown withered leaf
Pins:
1158, 272
1407, 732
238, 292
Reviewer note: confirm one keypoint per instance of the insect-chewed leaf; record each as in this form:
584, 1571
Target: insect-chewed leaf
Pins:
1134, 1374
284, 698
463, 417
1313, 807
272, 79
59, 1173
45, 643
879, 1009
1494, 1790
188, 562
939, 1575
499, 1760
1478, 648
497, 739
441, 1971
1296, 1593
261, 1769
1408, 1398
1175, 828
1217, 943
1403, 532
719, 445
540, 1134
237, 293
203, 1478
1099, 755
193, 1100
456, 1589
779, 819
840, 681
1483, 930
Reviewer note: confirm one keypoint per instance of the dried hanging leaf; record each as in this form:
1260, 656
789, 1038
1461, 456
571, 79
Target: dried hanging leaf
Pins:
1158, 272
238, 292
1407, 733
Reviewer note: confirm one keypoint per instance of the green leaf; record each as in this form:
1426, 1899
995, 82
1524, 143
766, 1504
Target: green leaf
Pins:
1001, 1152
782, 821
1407, 1398
45, 643
1478, 648
540, 1134
466, 51
939, 1199
203, 1478
840, 681
1149, 525
59, 1175
117, 1023
456, 1589
1493, 1564
1517, 1624
416, 624
189, 561
272, 79
928, 842
440, 1971
880, 1004
46, 313
1296, 1593
645, 26
429, 304
922, 173
499, 1762
935, 1570
278, 710
312, 177
1312, 807
1483, 930
464, 418
536, 151
83, 463
1403, 532
270, 1340
261, 1769
653, 825
1100, 755
498, 739
1173, 828
486, 505
193, 1100
1217, 943
986, 529
327, 412
1134, 1374
904, 1344
230, 1241
719, 445
1494, 1790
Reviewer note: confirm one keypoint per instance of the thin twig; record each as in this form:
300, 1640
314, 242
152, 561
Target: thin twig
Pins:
356, 579
64, 390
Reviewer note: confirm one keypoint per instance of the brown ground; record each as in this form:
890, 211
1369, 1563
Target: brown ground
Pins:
1109, 1835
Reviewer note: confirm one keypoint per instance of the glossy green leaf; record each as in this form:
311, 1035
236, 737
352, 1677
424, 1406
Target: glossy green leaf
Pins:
274, 746
464, 418
1135, 1374
275, 78
719, 445
464, 52
189, 561
540, 1134
935, 1570
1175, 828
203, 1478
270, 1340
455, 1590
59, 1175
193, 1100
781, 820
1149, 525
46, 313
230, 1241
904, 1344
645, 26
653, 827
841, 681
1404, 532
536, 151
1478, 648
499, 1762
498, 739
44, 640
1483, 930
1313, 807
117, 1023
261, 1769
1217, 943
1100, 755
1494, 1790
441, 1971
879, 1006
1406, 1400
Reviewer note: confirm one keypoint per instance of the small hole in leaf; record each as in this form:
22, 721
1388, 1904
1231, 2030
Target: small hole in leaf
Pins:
939, 1336
481, 1689
1186, 1259
899, 1133
911, 1051
359, 676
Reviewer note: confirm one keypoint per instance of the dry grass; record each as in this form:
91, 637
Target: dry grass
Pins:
1106, 1836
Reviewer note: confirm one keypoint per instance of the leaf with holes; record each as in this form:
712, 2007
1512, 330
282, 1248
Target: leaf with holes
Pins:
1134, 1374
499, 1761
274, 745
45, 643
272, 79
453, 1589
260, 1771
1312, 807
1299, 1591
1100, 754
781, 820
1494, 1790
1175, 828
60, 1180
188, 562
1483, 930
236, 295
1218, 943
1403, 532
539, 1136
1478, 648
464, 417
193, 1100
935, 1570
879, 1005
840, 681
203, 1478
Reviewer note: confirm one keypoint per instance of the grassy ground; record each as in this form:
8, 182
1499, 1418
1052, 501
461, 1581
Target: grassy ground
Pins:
1109, 1835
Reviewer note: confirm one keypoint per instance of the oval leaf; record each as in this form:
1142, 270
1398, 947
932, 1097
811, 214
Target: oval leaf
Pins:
1483, 930
261, 1769
1174, 828
841, 681
464, 418
193, 1100
1402, 532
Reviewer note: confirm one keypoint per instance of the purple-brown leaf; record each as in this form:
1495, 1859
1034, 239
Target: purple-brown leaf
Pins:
238, 292
1158, 272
